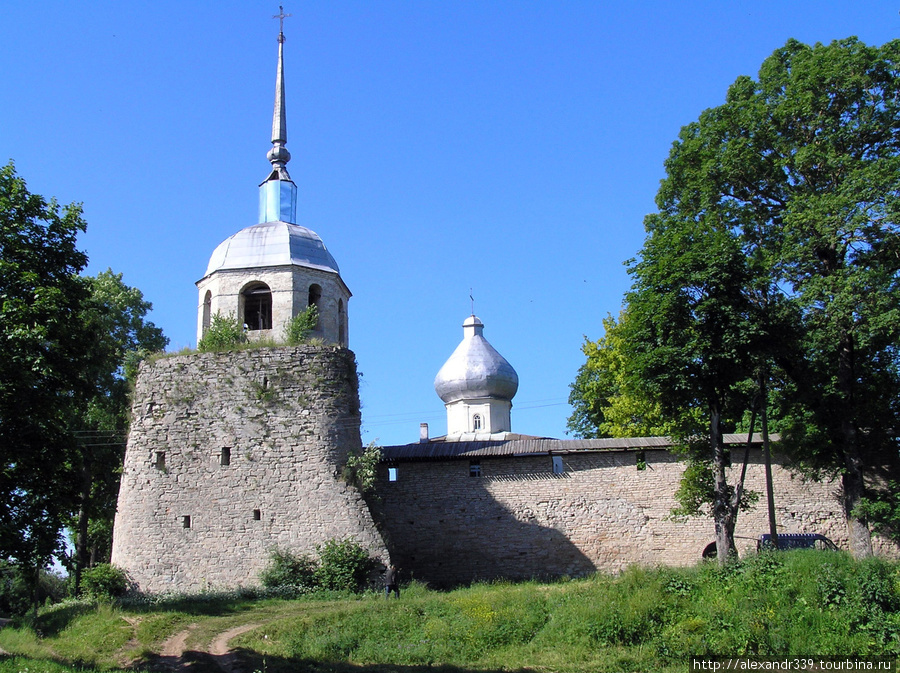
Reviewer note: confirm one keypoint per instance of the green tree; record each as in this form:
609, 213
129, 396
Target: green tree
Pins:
603, 402
786, 198
690, 344
116, 315
46, 352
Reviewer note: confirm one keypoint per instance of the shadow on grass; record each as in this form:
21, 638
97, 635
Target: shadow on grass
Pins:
52, 622
247, 661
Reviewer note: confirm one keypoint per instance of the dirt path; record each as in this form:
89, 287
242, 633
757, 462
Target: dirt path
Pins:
171, 655
174, 646
224, 657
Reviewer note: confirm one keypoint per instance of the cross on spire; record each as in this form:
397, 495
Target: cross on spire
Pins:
281, 16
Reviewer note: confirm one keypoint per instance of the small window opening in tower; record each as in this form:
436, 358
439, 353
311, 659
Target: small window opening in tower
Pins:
207, 311
225, 456
314, 299
558, 465
640, 460
257, 515
257, 301
475, 468
186, 521
160, 460
392, 474
476, 422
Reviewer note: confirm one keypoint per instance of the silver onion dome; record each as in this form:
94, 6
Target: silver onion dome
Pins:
475, 369
272, 244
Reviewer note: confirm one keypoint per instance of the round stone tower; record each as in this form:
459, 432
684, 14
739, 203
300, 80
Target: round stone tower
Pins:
477, 385
267, 273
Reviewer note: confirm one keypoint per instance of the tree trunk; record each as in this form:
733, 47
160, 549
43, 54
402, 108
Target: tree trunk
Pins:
852, 479
723, 512
857, 529
81, 535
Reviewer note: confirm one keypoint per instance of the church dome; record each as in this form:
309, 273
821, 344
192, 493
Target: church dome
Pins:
272, 244
475, 369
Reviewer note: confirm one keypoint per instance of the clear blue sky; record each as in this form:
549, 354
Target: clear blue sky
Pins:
508, 147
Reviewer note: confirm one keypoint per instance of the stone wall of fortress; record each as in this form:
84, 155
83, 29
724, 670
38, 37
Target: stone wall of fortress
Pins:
520, 520
233, 454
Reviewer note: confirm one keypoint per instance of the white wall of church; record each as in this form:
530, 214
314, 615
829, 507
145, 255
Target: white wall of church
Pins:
290, 287
494, 416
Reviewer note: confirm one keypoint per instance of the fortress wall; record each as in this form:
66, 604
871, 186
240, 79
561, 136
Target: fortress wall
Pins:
287, 417
520, 520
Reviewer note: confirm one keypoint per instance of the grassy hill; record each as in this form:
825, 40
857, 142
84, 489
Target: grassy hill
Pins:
802, 602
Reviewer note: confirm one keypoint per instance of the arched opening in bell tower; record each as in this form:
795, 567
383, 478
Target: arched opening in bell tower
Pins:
207, 312
256, 301
314, 299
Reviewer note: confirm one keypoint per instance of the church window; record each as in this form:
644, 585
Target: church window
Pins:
225, 456
160, 460
186, 521
476, 422
257, 301
207, 310
558, 467
392, 474
475, 468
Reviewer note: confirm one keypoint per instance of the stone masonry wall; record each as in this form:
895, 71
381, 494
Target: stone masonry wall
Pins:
520, 520
233, 454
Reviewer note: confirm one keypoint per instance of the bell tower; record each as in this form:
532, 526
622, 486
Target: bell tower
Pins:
267, 273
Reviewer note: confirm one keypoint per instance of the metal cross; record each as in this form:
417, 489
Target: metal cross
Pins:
281, 16
473, 301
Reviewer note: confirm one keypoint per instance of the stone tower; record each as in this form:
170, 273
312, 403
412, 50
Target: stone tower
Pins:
233, 455
477, 385
267, 273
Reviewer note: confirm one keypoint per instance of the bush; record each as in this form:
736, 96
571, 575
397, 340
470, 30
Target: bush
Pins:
299, 328
343, 565
362, 468
103, 582
223, 333
286, 569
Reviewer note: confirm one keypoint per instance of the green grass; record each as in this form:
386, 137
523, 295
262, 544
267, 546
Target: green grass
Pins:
796, 603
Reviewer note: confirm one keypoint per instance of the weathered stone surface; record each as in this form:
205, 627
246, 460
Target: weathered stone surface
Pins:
520, 520
284, 421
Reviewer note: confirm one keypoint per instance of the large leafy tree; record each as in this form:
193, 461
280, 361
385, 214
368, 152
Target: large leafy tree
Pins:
45, 353
70, 344
690, 345
805, 162
793, 185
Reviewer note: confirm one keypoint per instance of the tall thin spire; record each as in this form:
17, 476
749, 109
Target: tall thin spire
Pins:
279, 155
278, 193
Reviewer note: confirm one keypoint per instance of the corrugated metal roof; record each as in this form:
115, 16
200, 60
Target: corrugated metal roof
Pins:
522, 445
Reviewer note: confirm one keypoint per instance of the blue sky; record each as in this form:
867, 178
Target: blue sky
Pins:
508, 147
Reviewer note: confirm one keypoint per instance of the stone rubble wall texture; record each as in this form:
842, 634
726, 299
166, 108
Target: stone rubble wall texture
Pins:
288, 417
519, 520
